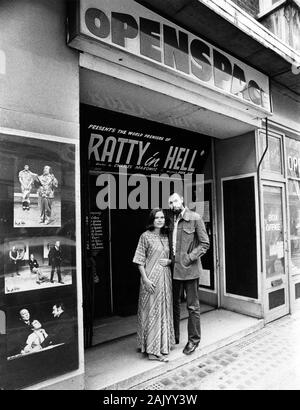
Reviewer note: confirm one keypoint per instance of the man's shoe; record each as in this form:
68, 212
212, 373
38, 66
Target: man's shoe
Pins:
190, 347
177, 340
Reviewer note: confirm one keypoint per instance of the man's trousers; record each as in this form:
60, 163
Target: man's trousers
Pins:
193, 306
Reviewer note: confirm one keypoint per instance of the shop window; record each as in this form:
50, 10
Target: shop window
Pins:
2, 323
292, 158
276, 299
274, 238
268, 5
240, 237
2, 62
297, 290
272, 162
38, 287
281, 17
294, 208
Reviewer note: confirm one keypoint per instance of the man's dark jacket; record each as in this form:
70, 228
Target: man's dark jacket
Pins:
192, 242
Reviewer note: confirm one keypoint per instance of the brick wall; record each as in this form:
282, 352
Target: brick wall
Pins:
250, 6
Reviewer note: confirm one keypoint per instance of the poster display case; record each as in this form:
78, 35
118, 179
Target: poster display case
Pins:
38, 292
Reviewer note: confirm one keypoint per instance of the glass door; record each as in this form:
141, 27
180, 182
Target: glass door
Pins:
275, 252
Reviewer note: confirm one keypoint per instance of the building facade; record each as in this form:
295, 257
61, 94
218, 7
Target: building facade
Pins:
102, 96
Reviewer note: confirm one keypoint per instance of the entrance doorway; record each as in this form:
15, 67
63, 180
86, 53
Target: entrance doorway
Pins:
111, 280
275, 251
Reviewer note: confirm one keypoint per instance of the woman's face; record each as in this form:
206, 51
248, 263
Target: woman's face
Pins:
159, 220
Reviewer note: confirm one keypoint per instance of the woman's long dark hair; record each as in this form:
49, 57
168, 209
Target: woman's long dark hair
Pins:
152, 215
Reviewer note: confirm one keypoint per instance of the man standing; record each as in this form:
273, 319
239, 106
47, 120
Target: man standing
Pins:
25, 318
21, 332
26, 178
48, 183
55, 259
15, 257
62, 325
189, 242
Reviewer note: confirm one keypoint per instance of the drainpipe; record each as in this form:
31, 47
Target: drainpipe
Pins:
260, 192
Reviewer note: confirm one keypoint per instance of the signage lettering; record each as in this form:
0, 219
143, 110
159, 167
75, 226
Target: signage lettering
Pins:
294, 164
177, 50
293, 158
122, 150
113, 149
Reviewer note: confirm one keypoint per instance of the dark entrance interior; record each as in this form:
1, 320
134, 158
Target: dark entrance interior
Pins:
126, 228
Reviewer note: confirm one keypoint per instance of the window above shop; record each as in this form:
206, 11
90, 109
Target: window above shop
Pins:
282, 17
272, 164
267, 6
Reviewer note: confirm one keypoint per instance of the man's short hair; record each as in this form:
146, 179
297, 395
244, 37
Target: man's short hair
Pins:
60, 305
176, 193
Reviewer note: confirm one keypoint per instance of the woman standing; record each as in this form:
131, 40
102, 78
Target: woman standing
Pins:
155, 331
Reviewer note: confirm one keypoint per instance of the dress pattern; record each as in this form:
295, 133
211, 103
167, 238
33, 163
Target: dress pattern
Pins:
155, 332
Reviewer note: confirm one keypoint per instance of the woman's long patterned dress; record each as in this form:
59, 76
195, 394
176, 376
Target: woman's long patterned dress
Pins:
155, 333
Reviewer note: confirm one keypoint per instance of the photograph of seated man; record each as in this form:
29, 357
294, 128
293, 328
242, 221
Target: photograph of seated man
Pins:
35, 269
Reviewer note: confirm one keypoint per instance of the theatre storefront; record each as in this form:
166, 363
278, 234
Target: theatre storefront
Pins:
133, 59
155, 101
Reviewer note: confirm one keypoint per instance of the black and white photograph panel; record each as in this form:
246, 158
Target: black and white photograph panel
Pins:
37, 195
37, 263
38, 328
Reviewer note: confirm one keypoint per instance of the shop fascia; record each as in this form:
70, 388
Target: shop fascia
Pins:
153, 38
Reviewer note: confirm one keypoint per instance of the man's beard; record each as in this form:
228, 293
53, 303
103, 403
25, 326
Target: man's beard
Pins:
176, 211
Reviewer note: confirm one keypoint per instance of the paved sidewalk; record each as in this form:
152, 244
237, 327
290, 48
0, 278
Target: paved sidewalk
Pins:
127, 367
268, 359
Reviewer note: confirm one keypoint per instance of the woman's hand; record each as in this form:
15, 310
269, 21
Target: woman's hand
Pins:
150, 286
165, 262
